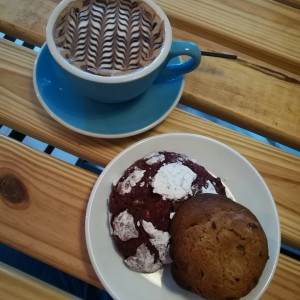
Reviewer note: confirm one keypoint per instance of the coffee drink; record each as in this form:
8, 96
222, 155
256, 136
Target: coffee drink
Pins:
113, 51
109, 37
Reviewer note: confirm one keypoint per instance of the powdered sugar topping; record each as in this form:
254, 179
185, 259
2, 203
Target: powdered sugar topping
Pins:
174, 181
143, 261
124, 227
172, 215
135, 177
208, 188
151, 154
154, 157
160, 240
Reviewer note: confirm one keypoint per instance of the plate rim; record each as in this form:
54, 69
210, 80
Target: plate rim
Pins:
94, 134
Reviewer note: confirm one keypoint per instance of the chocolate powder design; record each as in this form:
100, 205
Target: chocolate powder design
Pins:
109, 37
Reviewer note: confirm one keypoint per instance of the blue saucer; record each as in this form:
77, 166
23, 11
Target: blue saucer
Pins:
92, 118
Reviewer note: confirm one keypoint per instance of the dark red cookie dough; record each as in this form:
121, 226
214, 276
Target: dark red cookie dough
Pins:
144, 200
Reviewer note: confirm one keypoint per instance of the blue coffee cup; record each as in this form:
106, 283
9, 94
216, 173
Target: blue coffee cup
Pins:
121, 88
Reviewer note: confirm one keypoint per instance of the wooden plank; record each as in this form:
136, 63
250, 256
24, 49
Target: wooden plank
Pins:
46, 217
15, 284
285, 284
26, 21
220, 87
291, 3
21, 110
264, 29
247, 92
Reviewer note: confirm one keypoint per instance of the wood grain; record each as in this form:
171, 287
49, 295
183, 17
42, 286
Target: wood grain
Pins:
18, 285
265, 29
50, 224
285, 283
268, 105
259, 91
261, 28
291, 3
21, 110
26, 20
247, 92
51, 227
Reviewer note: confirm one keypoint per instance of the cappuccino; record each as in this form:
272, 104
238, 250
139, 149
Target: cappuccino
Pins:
109, 37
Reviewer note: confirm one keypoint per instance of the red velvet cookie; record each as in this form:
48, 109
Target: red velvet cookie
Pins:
144, 200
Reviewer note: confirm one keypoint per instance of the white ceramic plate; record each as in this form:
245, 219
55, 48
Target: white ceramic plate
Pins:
242, 179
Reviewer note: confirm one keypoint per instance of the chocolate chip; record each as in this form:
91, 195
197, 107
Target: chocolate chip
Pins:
255, 281
241, 249
200, 273
213, 225
252, 226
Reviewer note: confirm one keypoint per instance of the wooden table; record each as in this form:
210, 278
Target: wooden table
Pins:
43, 199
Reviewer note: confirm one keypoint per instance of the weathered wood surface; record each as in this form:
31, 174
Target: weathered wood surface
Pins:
18, 285
264, 29
259, 96
21, 110
44, 217
259, 91
285, 284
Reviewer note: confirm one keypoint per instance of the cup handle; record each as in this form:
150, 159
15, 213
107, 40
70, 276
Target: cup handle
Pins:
180, 48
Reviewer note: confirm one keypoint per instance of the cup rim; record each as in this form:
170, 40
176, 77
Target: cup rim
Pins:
108, 79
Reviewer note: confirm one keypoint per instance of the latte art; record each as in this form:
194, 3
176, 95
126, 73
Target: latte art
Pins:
109, 37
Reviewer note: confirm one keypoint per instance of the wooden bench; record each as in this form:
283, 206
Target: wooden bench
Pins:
15, 284
47, 220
